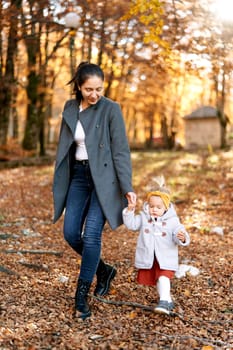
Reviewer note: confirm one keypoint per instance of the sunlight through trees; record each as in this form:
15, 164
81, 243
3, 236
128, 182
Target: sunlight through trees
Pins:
162, 59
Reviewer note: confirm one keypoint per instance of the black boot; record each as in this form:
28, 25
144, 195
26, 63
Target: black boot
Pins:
105, 274
81, 305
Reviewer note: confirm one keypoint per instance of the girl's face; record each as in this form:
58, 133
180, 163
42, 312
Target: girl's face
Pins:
156, 206
91, 90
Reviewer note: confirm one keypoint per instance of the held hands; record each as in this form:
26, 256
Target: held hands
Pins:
181, 236
131, 207
132, 199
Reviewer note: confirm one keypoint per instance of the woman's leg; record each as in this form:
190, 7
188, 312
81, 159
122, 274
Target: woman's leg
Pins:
77, 204
92, 236
93, 227
82, 204
83, 225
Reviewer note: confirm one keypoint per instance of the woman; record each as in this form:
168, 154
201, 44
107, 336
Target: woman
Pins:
92, 179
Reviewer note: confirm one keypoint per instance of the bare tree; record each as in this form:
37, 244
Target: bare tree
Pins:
8, 86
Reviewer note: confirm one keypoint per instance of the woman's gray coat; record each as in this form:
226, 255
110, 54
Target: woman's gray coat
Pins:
108, 154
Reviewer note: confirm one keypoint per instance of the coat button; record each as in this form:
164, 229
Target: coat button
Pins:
101, 145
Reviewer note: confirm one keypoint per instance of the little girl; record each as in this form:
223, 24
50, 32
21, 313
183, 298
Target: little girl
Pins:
160, 234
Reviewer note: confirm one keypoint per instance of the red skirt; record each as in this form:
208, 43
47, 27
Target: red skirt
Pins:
149, 277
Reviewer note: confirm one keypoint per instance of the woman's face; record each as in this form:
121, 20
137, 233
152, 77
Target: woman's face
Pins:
91, 90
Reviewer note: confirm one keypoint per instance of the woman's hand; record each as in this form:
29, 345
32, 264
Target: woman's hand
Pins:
131, 198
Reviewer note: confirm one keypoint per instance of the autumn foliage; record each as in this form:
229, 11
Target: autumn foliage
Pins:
39, 271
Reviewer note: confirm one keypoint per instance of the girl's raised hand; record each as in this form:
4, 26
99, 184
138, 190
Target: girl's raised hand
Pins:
181, 236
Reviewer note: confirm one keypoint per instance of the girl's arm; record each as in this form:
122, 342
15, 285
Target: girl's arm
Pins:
180, 235
130, 220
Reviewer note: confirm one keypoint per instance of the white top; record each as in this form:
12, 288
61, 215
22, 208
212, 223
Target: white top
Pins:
79, 137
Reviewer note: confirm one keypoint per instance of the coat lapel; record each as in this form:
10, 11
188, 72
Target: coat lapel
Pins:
89, 117
70, 115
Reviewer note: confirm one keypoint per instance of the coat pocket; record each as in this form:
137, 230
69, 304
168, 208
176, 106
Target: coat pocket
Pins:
144, 258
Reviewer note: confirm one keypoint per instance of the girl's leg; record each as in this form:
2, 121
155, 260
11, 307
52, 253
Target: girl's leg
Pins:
165, 304
164, 288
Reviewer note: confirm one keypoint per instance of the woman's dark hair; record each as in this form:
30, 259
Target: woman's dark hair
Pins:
84, 71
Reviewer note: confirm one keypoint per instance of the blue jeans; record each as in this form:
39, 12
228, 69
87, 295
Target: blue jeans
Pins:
84, 220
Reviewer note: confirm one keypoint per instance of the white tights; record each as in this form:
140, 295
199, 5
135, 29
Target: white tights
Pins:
164, 288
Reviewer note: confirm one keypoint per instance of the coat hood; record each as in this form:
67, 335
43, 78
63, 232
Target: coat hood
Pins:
167, 215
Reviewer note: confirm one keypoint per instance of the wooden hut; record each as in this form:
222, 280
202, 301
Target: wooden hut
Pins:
202, 128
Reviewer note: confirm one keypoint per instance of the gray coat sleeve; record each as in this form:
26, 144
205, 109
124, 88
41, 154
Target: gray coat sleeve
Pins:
120, 149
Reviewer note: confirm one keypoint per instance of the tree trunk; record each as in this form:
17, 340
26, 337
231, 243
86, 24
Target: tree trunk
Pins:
164, 130
223, 124
30, 140
8, 83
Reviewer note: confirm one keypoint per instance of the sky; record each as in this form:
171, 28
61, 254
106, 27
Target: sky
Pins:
223, 10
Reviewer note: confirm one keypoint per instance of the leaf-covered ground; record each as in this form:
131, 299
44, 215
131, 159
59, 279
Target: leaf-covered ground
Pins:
39, 270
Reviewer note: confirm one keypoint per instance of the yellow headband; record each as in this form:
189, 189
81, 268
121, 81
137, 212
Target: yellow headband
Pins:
163, 195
